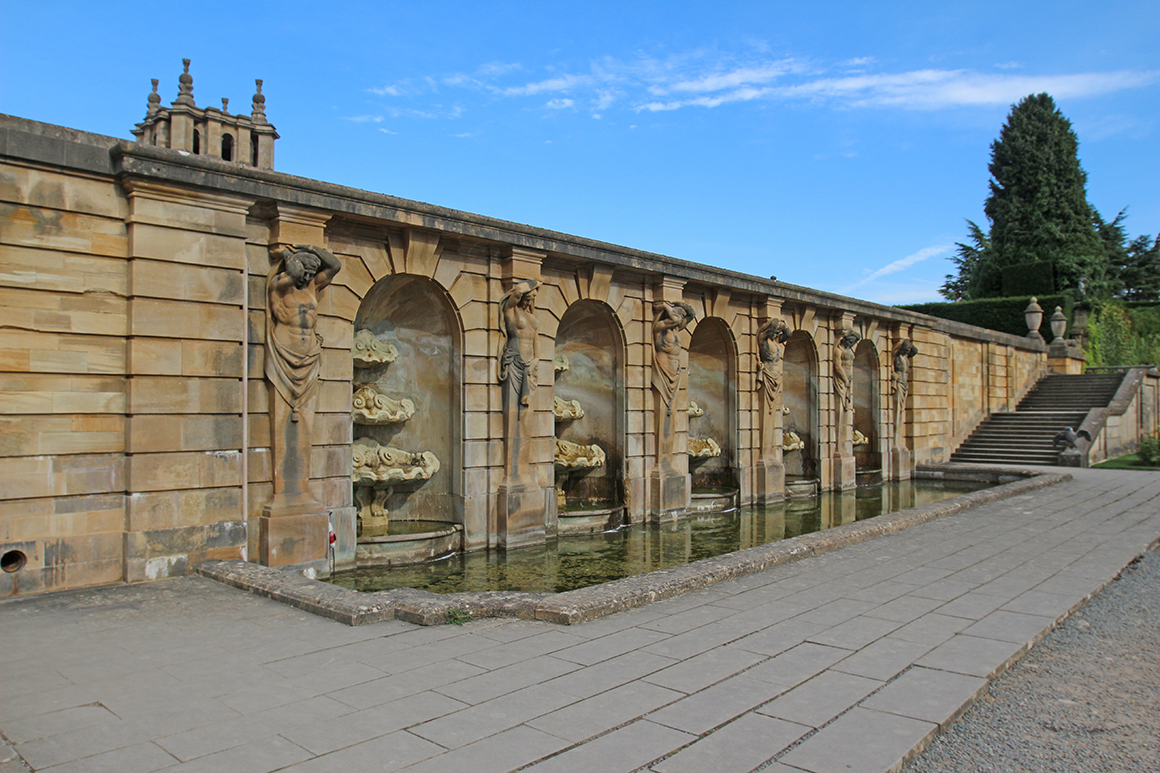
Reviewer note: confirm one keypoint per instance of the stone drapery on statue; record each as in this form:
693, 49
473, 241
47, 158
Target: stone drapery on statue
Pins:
668, 320
770, 338
903, 354
519, 347
293, 347
844, 370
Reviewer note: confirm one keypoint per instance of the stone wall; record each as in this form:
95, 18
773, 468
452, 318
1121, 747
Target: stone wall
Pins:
136, 434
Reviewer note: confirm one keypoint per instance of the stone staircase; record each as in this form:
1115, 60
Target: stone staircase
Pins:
1024, 436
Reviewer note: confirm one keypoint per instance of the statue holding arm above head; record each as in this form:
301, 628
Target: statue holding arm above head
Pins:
668, 320
293, 348
770, 338
903, 354
844, 369
519, 352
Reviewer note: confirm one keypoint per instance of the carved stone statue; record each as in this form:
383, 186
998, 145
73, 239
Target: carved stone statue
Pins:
293, 348
695, 411
703, 448
903, 354
370, 406
519, 351
566, 410
770, 338
860, 439
372, 511
668, 320
844, 370
368, 351
575, 456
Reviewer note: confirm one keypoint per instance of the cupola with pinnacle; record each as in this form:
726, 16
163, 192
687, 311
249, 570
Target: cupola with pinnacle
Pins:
211, 131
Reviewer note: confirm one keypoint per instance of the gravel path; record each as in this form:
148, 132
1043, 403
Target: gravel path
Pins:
1086, 698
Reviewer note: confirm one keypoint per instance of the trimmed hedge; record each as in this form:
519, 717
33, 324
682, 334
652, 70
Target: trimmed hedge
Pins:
1002, 314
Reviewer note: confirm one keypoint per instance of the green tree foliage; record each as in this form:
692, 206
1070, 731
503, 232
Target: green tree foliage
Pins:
1117, 335
1138, 276
1038, 212
1038, 204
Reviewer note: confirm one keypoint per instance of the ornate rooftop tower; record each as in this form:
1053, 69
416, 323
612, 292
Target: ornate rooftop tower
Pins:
209, 131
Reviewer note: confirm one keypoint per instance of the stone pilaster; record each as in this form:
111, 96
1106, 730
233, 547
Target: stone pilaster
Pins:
669, 482
525, 503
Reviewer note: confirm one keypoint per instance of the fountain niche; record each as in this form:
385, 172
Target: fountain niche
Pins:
712, 427
867, 414
406, 387
588, 408
800, 416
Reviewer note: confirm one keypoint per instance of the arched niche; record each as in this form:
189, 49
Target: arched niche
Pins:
592, 343
414, 315
800, 401
713, 387
867, 405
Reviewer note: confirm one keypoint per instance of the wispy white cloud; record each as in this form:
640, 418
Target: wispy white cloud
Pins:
386, 131
710, 79
901, 264
364, 118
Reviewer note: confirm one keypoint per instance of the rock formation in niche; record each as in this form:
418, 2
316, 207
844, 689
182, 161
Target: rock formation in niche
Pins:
574, 456
370, 406
792, 441
375, 464
369, 351
567, 411
703, 448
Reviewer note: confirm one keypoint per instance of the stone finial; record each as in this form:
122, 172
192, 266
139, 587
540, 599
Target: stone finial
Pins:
225, 104
258, 114
1033, 315
1058, 324
154, 99
185, 87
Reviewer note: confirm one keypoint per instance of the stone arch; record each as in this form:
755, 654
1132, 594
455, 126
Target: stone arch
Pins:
417, 317
800, 398
867, 405
590, 340
712, 384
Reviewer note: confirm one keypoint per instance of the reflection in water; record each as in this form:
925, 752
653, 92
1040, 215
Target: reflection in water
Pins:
579, 561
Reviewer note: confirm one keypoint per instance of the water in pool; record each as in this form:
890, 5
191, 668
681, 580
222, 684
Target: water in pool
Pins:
577, 561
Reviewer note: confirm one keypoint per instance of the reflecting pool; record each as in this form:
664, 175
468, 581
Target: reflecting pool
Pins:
577, 561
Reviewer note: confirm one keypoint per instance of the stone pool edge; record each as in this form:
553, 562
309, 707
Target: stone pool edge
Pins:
576, 606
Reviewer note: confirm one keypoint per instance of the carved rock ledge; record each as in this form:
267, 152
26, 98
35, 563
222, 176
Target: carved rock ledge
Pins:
378, 465
703, 448
370, 406
573, 456
567, 411
369, 351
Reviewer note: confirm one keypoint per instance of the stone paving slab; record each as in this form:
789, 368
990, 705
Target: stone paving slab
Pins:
849, 660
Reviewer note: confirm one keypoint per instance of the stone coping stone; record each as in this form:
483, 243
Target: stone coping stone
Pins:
576, 606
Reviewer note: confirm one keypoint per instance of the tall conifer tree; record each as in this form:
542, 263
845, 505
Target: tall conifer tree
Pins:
1038, 204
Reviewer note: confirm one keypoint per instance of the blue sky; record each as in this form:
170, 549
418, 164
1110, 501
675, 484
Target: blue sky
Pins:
836, 145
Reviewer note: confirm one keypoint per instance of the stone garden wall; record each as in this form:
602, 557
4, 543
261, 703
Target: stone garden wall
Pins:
135, 415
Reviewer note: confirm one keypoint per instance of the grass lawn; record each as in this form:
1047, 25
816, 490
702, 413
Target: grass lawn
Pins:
1126, 462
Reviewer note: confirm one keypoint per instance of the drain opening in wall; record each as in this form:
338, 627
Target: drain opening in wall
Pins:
13, 561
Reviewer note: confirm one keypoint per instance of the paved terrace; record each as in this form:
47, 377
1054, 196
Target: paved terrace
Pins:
848, 661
